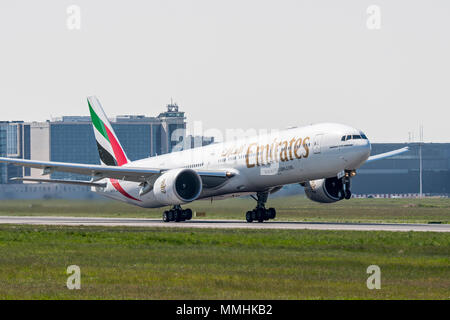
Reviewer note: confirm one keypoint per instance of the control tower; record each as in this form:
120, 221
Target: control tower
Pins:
171, 120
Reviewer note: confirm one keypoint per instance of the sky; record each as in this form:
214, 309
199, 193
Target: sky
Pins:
380, 66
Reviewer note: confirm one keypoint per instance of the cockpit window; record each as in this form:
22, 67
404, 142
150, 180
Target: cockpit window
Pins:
354, 137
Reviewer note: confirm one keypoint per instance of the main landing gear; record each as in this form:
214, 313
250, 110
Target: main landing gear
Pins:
177, 214
260, 213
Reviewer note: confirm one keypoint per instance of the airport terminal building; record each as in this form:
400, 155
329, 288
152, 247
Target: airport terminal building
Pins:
401, 174
11, 136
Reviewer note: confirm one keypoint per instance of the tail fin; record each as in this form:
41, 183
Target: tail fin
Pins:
109, 148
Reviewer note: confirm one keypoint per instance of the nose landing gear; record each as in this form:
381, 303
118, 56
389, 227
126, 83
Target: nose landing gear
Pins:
345, 191
177, 214
260, 213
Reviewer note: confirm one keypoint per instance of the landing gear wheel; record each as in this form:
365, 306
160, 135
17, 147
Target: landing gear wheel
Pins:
272, 213
177, 216
166, 216
249, 216
348, 194
260, 214
188, 214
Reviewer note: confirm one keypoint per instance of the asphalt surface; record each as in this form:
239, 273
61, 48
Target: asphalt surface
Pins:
221, 224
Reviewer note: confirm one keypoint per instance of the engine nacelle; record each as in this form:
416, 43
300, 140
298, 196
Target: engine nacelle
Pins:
324, 190
177, 186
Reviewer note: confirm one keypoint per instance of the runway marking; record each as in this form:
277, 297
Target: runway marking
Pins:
222, 224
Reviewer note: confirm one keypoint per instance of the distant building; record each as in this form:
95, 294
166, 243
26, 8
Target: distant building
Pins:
173, 127
62, 140
400, 174
12, 138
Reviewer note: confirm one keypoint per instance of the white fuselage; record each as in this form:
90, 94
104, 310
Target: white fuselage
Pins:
259, 163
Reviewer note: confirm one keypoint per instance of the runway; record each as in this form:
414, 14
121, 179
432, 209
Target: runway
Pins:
221, 224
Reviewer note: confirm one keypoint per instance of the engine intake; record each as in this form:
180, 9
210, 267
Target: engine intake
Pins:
324, 190
177, 186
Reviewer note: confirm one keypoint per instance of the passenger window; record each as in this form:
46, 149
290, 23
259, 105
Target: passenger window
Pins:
349, 137
356, 137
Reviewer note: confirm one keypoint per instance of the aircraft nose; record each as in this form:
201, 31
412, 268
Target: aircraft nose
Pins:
361, 150
365, 149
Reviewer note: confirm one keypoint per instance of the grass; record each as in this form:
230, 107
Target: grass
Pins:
288, 208
145, 263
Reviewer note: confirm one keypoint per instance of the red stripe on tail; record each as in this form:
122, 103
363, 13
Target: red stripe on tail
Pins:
118, 152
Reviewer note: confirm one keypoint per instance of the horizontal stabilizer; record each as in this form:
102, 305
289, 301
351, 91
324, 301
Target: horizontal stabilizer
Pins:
387, 154
77, 182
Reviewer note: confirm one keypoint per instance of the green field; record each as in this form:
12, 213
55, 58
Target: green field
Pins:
289, 208
155, 263
141, 263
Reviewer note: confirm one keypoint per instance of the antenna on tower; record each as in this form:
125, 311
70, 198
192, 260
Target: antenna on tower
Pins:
420, 162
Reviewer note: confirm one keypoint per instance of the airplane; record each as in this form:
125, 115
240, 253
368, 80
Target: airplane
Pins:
323, 158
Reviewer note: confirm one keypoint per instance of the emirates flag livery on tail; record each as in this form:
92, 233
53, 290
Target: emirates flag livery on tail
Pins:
109, 148
323, 158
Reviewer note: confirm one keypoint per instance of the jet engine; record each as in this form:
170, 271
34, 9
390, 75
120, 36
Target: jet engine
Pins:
177, 186
324, 190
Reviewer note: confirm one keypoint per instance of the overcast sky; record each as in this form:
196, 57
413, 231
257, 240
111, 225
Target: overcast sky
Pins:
233, 63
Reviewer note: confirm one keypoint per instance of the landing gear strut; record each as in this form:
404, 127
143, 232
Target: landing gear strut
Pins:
260, 213
345, 191
177, 214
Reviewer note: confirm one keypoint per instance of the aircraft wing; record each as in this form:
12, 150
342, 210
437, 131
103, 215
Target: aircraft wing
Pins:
98, 172
387, 154
77, 182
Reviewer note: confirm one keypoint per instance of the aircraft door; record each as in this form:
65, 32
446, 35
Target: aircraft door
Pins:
317, 143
